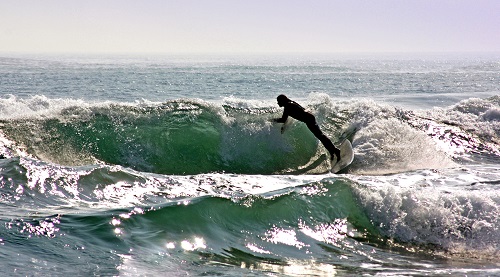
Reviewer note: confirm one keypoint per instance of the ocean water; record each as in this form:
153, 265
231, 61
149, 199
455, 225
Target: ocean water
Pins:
171, 166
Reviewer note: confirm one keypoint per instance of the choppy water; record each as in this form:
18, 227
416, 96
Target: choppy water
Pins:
131, 166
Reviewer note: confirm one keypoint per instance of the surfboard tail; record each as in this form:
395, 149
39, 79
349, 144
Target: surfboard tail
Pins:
346, 157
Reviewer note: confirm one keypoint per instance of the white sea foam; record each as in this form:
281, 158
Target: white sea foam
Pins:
37, 106
492, 114
445, 212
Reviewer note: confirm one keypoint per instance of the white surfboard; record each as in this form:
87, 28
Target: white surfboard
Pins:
346, 157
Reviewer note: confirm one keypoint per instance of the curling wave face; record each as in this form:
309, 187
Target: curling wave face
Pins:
236, 136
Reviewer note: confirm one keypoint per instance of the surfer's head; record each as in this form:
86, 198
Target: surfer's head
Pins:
282, 100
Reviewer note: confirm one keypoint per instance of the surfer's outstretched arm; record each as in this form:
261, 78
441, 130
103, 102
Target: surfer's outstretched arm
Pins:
282, 119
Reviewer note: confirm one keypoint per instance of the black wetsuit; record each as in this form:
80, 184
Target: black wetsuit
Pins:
296, 111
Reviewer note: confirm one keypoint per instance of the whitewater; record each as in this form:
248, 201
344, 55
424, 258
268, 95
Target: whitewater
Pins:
172, 166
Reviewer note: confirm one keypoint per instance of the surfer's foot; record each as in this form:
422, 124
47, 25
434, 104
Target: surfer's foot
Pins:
336, 153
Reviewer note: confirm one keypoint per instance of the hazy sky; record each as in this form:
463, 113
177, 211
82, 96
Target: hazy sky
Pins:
249, 26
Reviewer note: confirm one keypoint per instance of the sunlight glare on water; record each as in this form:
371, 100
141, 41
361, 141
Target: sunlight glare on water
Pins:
280, 235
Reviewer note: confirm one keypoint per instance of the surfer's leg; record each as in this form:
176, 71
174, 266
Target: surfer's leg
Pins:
314, 128
330, 147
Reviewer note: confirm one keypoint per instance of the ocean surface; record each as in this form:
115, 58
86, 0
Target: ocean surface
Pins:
171, 166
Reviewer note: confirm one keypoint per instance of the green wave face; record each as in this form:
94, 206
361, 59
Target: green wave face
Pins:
179, 137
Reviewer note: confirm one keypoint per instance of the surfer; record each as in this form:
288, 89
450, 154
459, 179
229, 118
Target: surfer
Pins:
296, 111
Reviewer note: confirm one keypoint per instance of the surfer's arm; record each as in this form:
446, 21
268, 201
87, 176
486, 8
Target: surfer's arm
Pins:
282, 119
